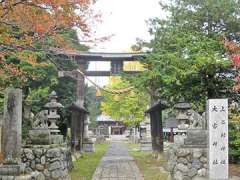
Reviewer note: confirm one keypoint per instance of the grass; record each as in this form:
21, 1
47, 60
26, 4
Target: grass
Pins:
85, 166
149, 166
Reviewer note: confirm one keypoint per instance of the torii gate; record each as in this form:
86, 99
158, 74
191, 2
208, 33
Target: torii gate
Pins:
82, 59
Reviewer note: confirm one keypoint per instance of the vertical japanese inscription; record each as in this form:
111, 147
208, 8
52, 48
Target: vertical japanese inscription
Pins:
217, 115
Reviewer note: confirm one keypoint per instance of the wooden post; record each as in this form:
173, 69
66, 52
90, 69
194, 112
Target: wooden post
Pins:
156, 126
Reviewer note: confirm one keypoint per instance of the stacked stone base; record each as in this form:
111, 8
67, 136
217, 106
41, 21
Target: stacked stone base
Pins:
52, 162
187, 163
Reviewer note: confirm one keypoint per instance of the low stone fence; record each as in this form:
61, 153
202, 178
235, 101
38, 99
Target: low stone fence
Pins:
100, 139
187, 163
52, 161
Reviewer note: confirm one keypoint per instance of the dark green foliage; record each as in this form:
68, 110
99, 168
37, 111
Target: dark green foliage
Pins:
187, 56
234, 143
92, 103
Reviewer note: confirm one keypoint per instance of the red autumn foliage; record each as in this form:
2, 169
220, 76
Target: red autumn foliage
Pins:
236, 60
233, 49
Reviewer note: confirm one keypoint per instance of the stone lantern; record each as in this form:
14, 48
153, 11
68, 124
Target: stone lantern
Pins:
182, 116
53, 116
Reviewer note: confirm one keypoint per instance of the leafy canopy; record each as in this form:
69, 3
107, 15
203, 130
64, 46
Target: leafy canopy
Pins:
187, 52
127, 107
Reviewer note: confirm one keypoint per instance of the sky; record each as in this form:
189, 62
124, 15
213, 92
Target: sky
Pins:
124, 21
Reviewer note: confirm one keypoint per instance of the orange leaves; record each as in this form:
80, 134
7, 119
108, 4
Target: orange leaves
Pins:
26, 23
40, 18
231, 46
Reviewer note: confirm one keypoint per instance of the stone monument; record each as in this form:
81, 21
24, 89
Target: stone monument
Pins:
217, 115
146, 142
11, 166
11, 134
88, 144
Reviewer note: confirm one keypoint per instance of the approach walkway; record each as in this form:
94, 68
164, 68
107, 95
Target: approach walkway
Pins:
117, 164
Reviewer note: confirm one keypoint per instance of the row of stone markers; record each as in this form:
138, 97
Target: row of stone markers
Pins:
203, 150
45, 156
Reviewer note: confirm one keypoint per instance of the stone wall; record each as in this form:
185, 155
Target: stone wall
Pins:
52, 161
187, 163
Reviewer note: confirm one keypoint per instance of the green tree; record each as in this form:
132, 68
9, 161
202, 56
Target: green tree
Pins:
128, 107
187, 53
188, 57
92, 103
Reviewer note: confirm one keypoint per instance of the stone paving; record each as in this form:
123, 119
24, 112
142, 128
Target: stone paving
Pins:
117, 164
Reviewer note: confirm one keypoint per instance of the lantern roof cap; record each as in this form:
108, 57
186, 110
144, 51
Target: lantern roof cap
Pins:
53, 102
182, 104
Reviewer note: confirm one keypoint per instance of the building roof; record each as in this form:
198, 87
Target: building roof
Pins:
182, 104
104, 118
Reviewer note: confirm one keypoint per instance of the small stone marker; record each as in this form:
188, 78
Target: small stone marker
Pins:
217, 115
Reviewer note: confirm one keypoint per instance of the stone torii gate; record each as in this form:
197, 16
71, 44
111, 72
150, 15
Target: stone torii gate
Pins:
82, 59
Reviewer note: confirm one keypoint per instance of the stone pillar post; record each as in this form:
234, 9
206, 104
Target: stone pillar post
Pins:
12, 126
88, 145
146, 142
80, 86
11, 133
86, 122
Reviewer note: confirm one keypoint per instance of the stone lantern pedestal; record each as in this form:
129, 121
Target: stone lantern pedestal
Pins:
146, 142
182, 108
53, 116
88, 144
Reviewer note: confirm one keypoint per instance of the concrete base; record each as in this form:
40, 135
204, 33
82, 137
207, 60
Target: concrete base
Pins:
10, 170
33, 176
145, 145
56, 139
88, 146
44, 137
39, 136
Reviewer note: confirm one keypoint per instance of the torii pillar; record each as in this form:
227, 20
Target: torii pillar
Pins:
78, 111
